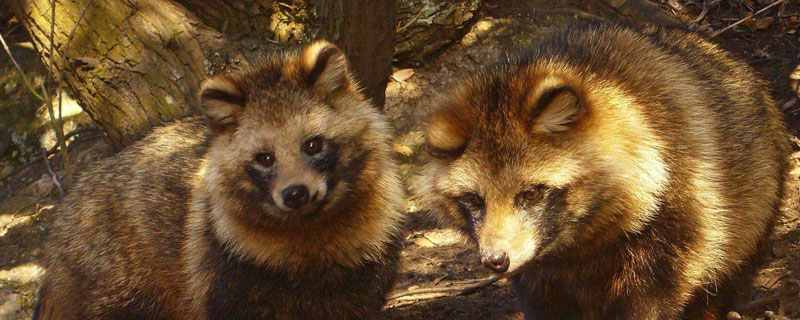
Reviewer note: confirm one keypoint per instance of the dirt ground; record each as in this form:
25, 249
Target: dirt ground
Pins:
435, 257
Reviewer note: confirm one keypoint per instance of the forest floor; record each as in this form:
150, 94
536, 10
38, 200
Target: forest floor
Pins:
433, 257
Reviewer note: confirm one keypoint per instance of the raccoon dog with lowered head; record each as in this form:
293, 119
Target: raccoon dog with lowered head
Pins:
612, 172
283, 202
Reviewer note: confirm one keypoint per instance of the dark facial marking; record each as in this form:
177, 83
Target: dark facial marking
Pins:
554, 211
223, 96
261, 178
444, 153
474, 210
327, 159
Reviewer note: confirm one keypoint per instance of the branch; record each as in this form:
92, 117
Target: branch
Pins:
52, 173
461, 290
19, 69
576, 13
716, 33
57, 126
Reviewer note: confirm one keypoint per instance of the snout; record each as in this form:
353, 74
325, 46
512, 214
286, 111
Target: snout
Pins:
299, 196
295, 196
497, 261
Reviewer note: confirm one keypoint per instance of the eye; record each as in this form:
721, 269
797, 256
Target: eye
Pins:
472, 200
313, 145
533, 194
265, 159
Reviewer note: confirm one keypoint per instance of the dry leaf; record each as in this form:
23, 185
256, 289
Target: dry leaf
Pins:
795, 172
424, 242
789, 104
759, 23
795, 75
402, 75
403, 149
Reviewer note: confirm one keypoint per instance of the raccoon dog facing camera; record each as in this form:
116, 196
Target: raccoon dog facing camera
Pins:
281, 202
612, 172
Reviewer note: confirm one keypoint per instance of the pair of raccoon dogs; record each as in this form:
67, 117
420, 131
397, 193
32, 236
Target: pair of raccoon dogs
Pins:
610, 173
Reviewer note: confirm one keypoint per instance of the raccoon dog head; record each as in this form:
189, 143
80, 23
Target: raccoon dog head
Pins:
532, 160
286, 135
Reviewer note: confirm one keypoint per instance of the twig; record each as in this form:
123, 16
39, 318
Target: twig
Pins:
281, 3
439, 279
577, 13
461, 290
429, 240
702, 13
413, 19
51, 151
716, 33
75, 27
52, 173
19, 69
57, 127
13, 28
760, 302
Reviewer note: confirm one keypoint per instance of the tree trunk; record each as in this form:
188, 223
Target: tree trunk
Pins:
131, 65
134, 65
364, 29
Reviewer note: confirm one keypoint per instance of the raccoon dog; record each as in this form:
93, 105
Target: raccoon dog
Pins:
612, 172
281, 202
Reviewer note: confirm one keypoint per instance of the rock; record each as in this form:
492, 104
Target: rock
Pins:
772, 316
41, 187
9, 305
23, 274
733, 315
402, 75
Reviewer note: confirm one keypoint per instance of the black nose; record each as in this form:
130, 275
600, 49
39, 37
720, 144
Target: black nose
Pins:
497, 261
295, 196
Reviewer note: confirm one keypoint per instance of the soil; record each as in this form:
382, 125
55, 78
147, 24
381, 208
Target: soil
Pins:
434, 257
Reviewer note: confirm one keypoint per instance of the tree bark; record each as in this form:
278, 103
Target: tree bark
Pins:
132, 65
135, 64
365, 30
427, 26
637, 11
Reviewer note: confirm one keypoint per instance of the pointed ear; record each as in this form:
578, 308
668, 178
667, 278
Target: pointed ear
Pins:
324, 68
554, 106
220, 100
446, 134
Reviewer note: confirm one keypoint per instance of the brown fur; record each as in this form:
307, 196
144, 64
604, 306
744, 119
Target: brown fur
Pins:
185, 224
659, 157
